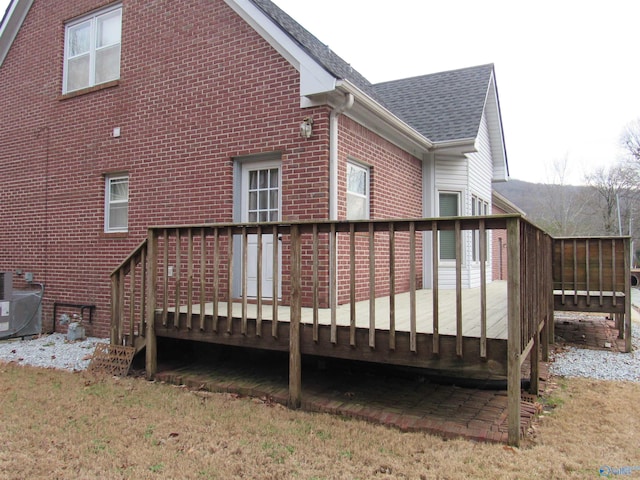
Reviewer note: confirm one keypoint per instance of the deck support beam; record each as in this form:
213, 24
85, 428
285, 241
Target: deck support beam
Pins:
295, 357
514, 343
151, 359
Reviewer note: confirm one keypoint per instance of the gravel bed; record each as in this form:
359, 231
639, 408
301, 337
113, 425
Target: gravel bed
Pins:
599, 364
54, 351
50, 351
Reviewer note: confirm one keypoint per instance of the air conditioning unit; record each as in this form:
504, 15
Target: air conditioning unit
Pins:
6, 285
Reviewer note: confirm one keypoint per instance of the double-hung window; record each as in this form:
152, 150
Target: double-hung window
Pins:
116, 208
92, 49
357, 192
448, 206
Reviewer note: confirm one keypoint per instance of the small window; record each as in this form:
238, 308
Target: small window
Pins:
478, 208
92, 50
357, 192
448, 207
116, 211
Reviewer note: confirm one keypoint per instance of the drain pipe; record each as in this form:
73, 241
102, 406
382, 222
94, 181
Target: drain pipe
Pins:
333, 154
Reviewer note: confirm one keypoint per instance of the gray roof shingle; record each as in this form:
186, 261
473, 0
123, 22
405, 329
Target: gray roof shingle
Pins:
314, 47
441, 106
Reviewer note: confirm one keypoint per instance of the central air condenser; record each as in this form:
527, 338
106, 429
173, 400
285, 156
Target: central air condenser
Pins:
20, 310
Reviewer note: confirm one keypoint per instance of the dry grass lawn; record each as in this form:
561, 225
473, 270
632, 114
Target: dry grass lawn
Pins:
59, 425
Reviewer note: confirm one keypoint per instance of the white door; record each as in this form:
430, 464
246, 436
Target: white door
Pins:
261, 203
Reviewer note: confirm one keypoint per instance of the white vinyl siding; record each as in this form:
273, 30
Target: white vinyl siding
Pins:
92, 49
116, 208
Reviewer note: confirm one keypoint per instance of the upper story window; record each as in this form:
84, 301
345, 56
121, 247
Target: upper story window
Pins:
357, 192
116, 208
92, 49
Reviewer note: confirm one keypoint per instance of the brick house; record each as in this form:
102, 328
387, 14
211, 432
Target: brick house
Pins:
122, 115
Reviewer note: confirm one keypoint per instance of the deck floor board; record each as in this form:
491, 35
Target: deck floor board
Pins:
496, 312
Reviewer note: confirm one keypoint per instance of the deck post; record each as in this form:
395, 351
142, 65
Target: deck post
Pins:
115, 310
514, 342
151, 366
626, 320
295, 358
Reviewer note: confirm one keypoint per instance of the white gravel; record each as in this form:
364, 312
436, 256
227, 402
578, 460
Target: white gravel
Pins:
54, 351
599, 364
50, 351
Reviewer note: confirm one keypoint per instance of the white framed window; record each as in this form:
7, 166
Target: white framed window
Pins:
92, 49
448, 206
357, 192
479, 207
116, 205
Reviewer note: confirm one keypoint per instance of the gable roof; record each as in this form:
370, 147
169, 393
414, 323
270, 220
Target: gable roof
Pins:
320, 52
442, 106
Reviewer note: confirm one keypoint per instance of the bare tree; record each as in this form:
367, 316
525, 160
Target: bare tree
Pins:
631, 141
617, 187
562, 208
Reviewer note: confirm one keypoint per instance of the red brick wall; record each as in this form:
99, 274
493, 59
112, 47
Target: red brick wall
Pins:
396, 192
198, 87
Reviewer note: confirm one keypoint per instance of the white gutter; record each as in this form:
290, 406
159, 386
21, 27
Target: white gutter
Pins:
333, 154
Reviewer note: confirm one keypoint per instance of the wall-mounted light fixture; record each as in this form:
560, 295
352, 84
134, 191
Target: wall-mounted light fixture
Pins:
306, 127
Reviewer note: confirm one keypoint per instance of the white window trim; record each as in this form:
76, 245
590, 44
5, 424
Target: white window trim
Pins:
367, 194
92, 50
108, 202
459, 194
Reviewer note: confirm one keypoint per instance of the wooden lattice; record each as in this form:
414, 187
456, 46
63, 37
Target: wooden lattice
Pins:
111, 360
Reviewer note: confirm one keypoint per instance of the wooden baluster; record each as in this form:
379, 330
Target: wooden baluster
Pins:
245, 254
229, 280
203, 267
435, 260
276, 281
458, 246
259, 283
352, 285
165, 278
483, 290
316, 302
176, 316
216, 278
189, 278
333, 268
372, 287
132, 297
412, 287
392, 286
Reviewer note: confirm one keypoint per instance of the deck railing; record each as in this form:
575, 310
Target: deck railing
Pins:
592, 274
181, 271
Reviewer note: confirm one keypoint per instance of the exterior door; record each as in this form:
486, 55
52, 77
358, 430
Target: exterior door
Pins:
261, 203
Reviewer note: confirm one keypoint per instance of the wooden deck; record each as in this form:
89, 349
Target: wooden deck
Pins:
471, 303
181, 283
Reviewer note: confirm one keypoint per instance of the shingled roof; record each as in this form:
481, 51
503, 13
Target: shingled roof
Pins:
441, 106
320, 52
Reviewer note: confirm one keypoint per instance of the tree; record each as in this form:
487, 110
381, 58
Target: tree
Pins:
631, 141
617, 187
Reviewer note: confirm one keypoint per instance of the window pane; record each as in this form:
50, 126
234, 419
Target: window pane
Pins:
119, 190
263, 199
78, 73
253, 200
448, 204
274, 216
264, 216
109, 27
264, 179
356, 207
447, 245
253, 180
79, 39
356, 179
274, 177
273, 199
118, 214
253, 217
108, 64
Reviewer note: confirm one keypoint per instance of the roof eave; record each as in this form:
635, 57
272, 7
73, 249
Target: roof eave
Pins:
367, 110
14, 18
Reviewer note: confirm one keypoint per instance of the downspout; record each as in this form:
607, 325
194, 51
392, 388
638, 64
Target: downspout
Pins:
333, 154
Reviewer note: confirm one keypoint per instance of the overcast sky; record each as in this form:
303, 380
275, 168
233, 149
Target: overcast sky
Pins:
568, 71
